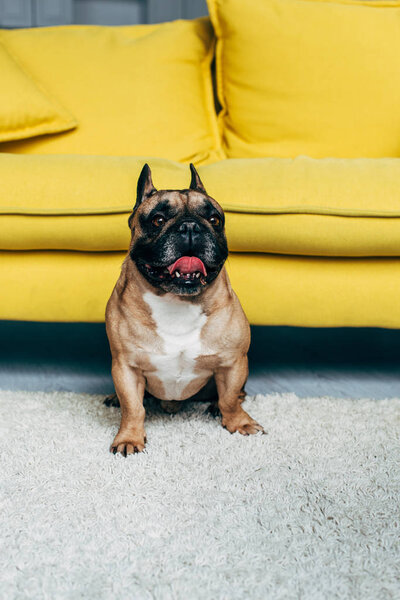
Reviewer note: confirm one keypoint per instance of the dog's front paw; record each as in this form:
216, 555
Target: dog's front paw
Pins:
128, 443
242, 422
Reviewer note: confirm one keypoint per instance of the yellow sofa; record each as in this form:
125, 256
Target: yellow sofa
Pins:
310, 181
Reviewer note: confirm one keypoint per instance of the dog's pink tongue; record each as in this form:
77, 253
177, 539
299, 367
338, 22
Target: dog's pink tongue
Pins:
188, 264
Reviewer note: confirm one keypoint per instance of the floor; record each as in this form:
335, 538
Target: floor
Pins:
309, 362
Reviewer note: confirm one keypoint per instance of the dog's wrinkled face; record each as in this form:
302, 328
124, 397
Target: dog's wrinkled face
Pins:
178, 240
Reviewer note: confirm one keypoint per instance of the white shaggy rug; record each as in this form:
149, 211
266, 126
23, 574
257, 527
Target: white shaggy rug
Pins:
309, 511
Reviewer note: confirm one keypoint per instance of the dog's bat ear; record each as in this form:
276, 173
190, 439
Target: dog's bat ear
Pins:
195, 182
145, 189
145, 185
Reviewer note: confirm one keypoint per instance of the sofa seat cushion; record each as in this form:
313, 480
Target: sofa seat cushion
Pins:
135, 90
273, 289
304, 206
315, 77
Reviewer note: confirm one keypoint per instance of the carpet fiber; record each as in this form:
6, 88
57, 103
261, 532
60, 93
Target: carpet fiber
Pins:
309, 511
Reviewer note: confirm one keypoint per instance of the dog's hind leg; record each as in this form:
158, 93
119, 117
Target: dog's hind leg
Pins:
213, 409
112, 400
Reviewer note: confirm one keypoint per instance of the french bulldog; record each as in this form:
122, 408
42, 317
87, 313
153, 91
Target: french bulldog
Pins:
175, 326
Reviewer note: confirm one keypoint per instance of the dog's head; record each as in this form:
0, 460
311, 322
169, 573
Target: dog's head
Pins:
178, 239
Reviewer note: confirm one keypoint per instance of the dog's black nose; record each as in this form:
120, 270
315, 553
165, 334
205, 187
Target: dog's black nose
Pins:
189, 230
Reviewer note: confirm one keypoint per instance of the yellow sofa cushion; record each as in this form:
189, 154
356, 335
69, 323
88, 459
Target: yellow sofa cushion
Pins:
315, 77
305, 206
26, 109
135, 90
273, 289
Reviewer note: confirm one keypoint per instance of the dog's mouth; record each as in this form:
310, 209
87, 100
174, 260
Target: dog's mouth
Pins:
187, 270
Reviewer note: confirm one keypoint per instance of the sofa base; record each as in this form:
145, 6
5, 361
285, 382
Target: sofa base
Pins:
273, 289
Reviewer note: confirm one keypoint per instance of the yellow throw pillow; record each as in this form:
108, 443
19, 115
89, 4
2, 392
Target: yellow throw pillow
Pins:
314, 77
136, 90
25, 109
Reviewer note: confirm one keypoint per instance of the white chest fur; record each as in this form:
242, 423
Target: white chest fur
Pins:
179, 324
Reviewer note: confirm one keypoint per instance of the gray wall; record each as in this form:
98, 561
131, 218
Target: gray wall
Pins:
31, 13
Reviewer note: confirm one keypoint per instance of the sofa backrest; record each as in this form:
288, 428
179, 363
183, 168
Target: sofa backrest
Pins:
133, 90
308, 77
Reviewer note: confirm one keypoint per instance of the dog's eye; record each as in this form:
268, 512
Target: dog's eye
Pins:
158, 220
215, 220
